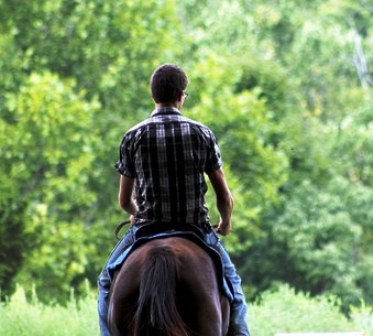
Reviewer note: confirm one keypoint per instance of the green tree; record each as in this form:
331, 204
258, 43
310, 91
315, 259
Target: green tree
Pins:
47, 152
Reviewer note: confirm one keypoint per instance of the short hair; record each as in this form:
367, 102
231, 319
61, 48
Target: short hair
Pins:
167, 82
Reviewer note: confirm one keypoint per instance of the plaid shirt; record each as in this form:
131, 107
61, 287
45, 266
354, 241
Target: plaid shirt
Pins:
168, 155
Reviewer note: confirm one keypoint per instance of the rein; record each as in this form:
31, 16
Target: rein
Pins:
120, 227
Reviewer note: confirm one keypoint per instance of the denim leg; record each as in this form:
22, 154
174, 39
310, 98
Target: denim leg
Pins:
104, 281
238, 325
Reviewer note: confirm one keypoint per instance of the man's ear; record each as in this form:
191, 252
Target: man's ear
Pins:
180, 99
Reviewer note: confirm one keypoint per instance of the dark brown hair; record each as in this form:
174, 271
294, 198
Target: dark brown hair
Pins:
167, 82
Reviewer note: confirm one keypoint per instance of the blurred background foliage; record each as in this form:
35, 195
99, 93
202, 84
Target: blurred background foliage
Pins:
285, 85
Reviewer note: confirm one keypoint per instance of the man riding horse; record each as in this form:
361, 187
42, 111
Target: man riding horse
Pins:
162, 165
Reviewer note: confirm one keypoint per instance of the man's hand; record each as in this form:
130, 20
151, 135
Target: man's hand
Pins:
224, 228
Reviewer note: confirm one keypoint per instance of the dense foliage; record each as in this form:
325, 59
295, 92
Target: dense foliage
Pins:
285, 85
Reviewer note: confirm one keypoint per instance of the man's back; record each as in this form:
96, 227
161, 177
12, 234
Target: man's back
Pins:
168, 155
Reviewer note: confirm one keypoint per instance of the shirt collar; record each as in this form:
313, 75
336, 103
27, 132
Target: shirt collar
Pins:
166, 110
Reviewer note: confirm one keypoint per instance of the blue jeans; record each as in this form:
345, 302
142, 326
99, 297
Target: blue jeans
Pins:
238, 325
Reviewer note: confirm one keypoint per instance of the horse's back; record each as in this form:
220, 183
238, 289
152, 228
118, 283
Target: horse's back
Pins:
172, 270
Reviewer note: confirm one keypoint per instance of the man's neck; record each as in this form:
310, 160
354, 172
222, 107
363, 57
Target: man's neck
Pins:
162, 105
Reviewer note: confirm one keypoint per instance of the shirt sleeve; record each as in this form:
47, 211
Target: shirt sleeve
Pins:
214, 160
125, 164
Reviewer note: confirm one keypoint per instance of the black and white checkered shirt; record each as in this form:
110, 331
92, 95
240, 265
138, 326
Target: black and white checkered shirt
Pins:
167, 155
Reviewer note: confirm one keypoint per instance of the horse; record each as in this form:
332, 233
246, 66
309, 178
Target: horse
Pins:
168, 287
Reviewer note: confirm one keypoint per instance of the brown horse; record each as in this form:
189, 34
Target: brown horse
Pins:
168, 287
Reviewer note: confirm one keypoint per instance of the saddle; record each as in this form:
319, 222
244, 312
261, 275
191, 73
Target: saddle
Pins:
148, 230
193, 233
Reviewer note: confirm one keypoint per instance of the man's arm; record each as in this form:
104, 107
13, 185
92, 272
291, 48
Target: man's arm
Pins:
224, 200
125, 199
